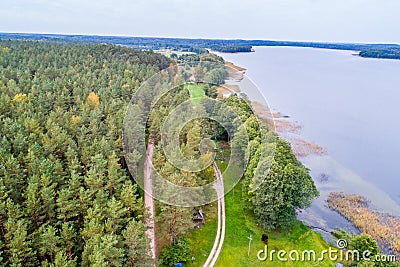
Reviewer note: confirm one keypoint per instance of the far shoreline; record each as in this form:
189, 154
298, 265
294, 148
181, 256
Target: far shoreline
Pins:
355, 53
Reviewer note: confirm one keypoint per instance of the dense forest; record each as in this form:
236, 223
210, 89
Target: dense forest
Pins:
66, 199
200, 46
387, 53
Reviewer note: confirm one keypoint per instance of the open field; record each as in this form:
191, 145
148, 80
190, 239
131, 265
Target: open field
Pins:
169, 52
196, 92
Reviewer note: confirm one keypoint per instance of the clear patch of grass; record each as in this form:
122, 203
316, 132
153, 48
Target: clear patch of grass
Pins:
196, 91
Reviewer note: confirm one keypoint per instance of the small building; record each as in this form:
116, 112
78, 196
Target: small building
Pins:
198, 218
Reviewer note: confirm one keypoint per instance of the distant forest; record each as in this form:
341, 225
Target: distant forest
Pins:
200, 46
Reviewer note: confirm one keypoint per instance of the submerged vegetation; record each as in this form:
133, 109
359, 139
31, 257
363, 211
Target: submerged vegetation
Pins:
383, 227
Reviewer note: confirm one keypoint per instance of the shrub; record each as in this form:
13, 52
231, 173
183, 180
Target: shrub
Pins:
180, 251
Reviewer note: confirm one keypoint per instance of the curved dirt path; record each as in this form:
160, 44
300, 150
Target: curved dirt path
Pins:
219, 238
149, 200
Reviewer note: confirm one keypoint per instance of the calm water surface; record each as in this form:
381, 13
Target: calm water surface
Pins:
347, 104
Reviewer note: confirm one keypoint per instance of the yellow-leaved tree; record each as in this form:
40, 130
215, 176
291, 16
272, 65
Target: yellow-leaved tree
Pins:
93, 100
20, 98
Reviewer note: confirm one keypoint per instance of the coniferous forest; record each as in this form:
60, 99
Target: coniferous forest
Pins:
65, 197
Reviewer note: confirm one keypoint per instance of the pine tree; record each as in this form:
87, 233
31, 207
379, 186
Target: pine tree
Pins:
2, 249
136, 244
68, 241
49, 242
61, 260
33, 202
115, 175
48, 197
193, 142
67, 207
95, 179
3, 210
19, 250
65, 198
74, 165
129, 197
176, 222
116, 216
103, 251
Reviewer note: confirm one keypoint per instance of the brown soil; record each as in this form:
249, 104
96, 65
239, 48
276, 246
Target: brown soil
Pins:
277, 115
264, 114
235, 72
228, 88
233, 66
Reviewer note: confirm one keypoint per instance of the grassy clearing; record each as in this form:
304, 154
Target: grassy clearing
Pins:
196, 92
169, 52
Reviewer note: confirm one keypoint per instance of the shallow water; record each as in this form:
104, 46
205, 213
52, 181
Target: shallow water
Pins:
347, 104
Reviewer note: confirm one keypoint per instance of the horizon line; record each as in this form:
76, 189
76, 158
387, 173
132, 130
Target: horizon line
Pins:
198, 38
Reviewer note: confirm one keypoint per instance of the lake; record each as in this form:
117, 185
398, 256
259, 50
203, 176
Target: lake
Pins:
347, 104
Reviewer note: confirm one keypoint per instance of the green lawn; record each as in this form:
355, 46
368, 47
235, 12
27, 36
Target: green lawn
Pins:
196, 92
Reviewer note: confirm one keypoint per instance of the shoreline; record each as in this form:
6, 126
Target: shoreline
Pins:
282, 125
289, 130
353, 52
